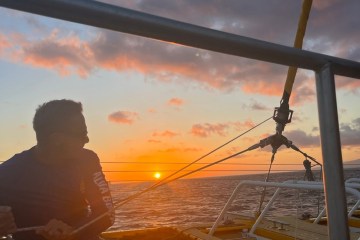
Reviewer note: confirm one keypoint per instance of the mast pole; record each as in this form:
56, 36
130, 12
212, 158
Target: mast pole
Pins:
331, 152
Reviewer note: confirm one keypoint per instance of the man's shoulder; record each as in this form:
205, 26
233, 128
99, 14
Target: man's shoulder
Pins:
19, 158
89, 160
89, 155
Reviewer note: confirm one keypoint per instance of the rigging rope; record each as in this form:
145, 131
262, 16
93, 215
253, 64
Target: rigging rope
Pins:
162, 182
126, 200
159, 183
266, 180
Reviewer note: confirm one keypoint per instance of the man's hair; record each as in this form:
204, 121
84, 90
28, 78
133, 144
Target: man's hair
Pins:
52, 116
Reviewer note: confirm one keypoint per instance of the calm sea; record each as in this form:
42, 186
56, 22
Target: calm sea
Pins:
199, 201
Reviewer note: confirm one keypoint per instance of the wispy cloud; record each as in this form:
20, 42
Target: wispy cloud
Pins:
303, 89
4, 43
350, 133
153, 141
166, 133
184, 149
206, 129
301, 138
176, 101
221, 129
65, 55
152, 110
255, 105
123, 117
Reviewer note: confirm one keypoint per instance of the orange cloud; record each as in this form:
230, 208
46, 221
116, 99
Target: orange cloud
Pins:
175, 149
176, 102
243, 125
304, 90
350, 84
4, 43
123, 117
207, 129
192, 149
152, 110
170, 150
166, 133
64, 55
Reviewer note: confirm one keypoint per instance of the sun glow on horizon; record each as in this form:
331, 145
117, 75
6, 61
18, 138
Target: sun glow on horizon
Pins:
157, 175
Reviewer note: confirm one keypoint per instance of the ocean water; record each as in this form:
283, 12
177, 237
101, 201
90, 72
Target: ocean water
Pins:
199, 201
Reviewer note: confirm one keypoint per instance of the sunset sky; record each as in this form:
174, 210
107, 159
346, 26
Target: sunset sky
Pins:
149, 103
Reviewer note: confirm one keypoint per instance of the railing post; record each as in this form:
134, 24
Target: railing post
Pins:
331, 151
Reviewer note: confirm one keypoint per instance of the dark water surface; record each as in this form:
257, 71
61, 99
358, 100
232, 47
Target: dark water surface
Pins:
198, 201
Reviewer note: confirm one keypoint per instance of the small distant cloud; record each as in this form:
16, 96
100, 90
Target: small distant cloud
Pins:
166, 133
176, 102
303, 90
342, 110
350, 84
254, 105
153, 141
175, 149
170, 150
192, 149
242, 125
123, 117
259, 106
234, 150
356, 123
152, 110
350, 133
301, 138
4, 43
315, 129
207, 129
297, 118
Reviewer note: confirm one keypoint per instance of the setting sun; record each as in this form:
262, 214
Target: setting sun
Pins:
157, 175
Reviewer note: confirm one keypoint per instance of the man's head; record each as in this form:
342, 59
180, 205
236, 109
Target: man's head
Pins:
60, 124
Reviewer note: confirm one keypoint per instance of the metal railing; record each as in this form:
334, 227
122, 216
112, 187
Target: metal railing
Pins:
350, 188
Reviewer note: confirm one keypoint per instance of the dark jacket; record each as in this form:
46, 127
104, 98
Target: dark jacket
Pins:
75, 193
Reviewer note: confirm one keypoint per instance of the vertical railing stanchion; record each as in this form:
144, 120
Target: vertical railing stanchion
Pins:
331, 152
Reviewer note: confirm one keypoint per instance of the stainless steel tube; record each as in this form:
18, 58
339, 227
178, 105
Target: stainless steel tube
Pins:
331, 151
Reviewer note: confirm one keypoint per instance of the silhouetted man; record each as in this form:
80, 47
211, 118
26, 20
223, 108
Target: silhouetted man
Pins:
57, 184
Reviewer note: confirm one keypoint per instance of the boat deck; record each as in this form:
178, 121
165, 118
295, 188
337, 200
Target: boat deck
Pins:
282, 228
277, 228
